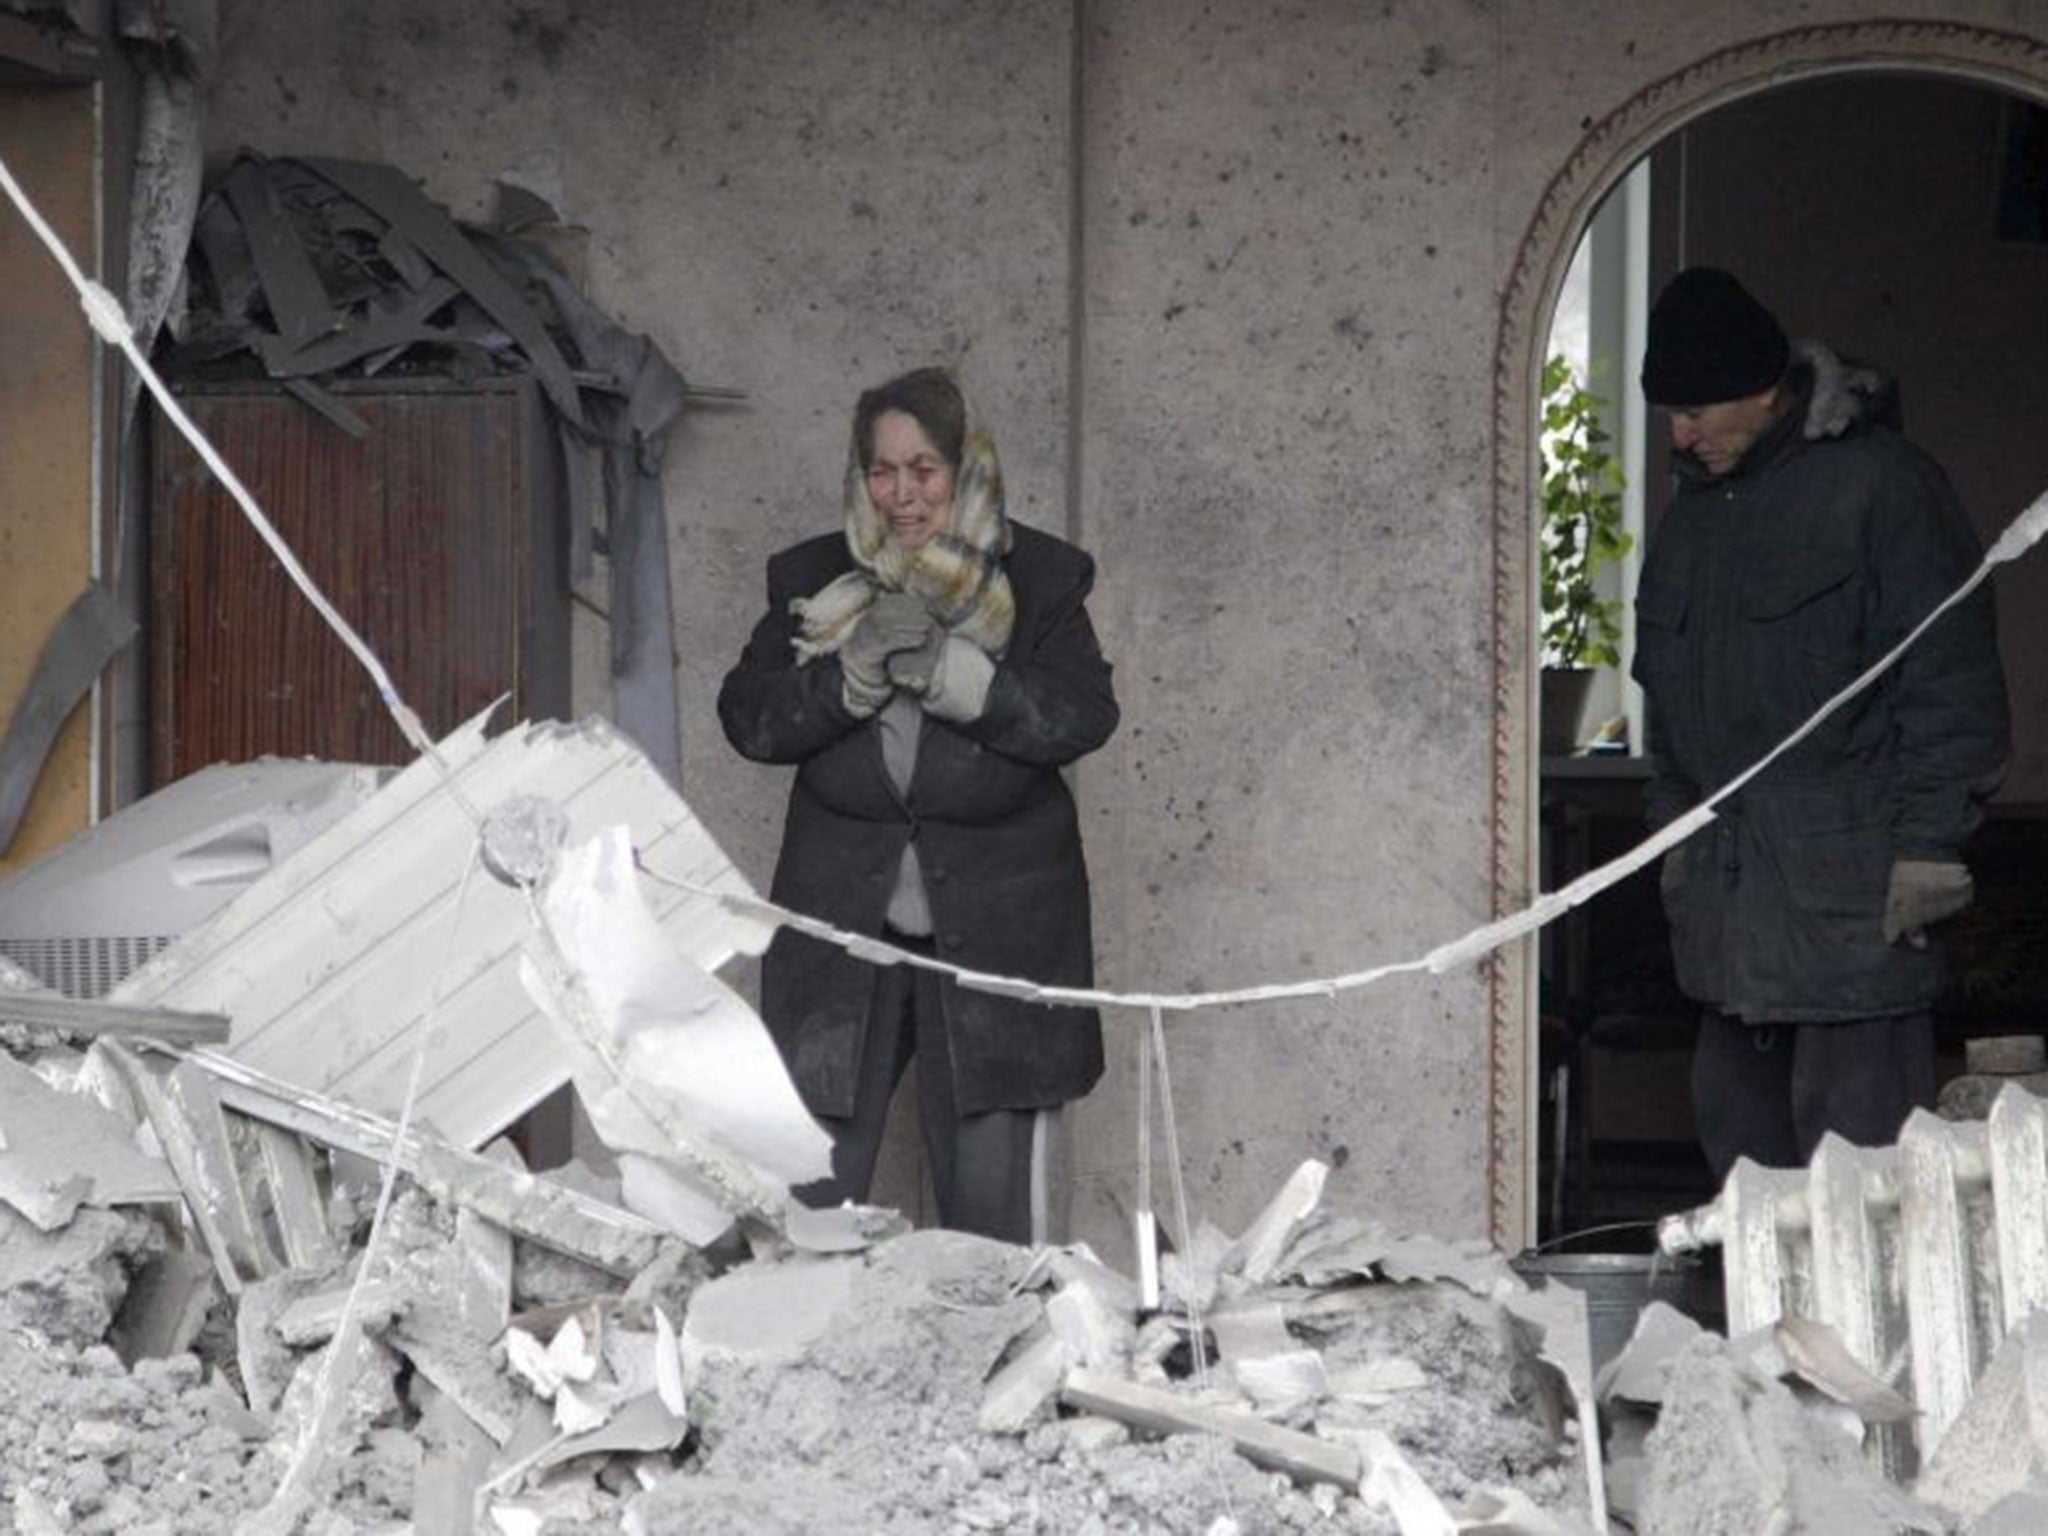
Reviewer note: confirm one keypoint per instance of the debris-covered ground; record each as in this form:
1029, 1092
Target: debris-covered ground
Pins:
852, 1391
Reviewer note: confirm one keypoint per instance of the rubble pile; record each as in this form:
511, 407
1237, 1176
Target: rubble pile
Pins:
233, 1302
928, 1381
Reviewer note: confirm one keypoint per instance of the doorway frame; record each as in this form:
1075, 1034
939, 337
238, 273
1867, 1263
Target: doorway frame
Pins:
2003, 60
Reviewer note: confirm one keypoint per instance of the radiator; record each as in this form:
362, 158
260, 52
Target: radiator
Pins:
1919, 1255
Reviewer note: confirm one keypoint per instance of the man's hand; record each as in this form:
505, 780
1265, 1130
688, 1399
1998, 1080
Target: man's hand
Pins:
895, 621
1924, 891
1841, 393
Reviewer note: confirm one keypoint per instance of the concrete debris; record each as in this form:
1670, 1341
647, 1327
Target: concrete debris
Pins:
2024, 1513
926, 1382
676, 1346
1735, 1450
67, 1284
1999, 1444
1637, 1373
58, 1150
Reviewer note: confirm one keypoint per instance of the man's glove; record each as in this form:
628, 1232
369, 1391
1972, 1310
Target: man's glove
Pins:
1923, 891
1841, 391
895, 621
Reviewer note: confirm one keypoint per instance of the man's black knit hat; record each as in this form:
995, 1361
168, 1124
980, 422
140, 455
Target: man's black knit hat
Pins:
1710, 341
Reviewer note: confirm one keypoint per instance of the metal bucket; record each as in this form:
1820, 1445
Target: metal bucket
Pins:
1617, 1286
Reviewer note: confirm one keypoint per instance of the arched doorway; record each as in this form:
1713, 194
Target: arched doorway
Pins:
1994, 61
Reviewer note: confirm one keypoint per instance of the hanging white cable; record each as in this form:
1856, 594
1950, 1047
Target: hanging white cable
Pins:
106, 316
2025, 531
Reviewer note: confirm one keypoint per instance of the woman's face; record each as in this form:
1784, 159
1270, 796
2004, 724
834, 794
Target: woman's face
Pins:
909, 480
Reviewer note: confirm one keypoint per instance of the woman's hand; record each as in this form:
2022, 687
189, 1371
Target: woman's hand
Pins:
894, 622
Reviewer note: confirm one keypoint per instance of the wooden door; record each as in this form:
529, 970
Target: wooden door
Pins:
427, 533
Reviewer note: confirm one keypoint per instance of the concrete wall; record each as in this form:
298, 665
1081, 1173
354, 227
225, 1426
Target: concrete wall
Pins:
1244, 304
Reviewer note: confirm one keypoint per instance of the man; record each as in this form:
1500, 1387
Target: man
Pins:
1783, 567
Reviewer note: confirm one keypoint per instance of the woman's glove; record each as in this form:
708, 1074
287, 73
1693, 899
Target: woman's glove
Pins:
895, 621
958, 689
912, 671
1924, 891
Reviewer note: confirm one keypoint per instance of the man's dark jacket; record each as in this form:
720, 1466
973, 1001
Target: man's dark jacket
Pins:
997, 836
1764, 593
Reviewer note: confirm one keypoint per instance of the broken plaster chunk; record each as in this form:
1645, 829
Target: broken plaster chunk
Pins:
313, 1317
63, 1149
568, 1356
1096, 1335
763, 1313
1025, 1385
2024, 1513
1377, 1381
1998, 1445
1389, 1481
33, 1515
1636, 1372
1736, 1451
1258, 1252
1091, 1432
98, 1438
1246, 1332
1266, 1445
1279, 1381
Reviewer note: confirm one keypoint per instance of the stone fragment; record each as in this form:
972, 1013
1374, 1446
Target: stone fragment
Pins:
1734, 1450
1090, 1432
2024, 1513
1636, 1373
61, 1149
67, 1284
1999, 1443
1026, 1383
97, 1437
763, 1313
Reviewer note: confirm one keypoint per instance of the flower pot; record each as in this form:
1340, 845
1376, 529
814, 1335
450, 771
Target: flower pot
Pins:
1563, 699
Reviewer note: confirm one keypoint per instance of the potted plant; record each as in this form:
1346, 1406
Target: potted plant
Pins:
1579, 500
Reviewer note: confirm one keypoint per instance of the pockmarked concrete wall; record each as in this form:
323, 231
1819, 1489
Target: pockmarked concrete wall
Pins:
1233, 280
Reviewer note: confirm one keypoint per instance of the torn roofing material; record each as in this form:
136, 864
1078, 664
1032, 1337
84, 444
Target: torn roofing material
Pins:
329, 964
315, 266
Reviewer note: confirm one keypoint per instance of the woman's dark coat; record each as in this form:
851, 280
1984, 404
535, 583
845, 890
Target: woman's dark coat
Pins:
1764, 594
997, 836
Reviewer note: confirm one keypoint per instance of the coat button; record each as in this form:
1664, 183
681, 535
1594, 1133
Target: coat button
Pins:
951, 940
936, 876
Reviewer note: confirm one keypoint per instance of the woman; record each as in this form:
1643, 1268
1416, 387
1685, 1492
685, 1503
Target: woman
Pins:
929, 670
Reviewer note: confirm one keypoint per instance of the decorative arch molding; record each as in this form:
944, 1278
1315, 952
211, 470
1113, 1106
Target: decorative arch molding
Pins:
2002, 60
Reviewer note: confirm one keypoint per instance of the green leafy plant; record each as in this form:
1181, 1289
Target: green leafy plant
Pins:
1580, 497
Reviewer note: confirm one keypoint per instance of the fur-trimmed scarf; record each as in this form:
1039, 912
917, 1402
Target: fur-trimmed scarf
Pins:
958, 572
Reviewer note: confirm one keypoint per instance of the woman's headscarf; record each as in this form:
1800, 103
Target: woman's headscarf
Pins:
958, 571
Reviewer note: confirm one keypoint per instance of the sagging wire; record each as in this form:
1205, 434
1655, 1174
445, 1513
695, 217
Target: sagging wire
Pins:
104, 313
108, 320
2020, 535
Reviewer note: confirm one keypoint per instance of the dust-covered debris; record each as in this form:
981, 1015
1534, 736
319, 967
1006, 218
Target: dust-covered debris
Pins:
1735, 1450
66, 1285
